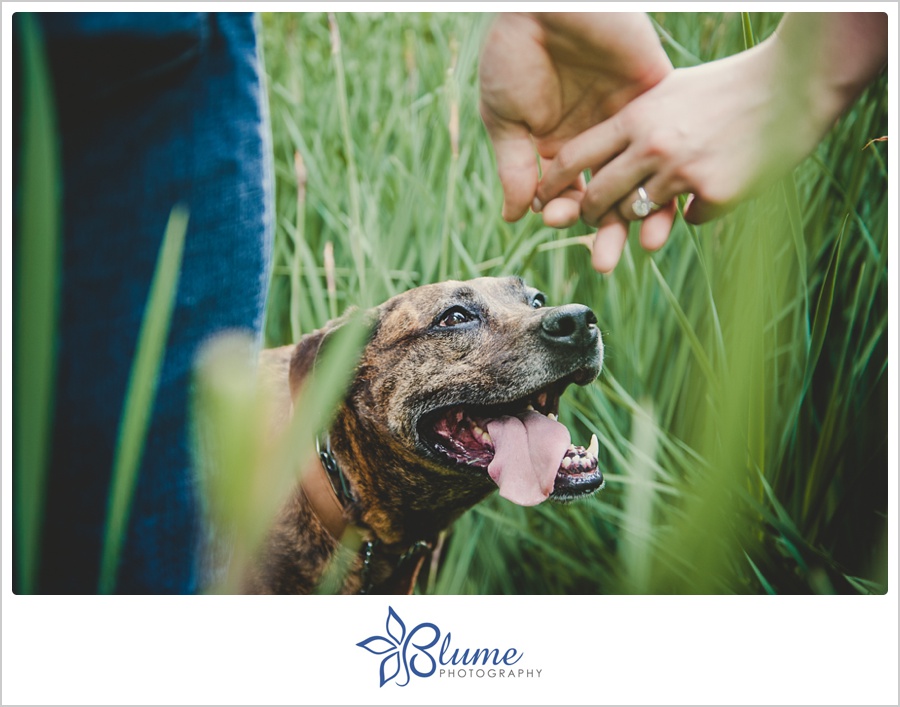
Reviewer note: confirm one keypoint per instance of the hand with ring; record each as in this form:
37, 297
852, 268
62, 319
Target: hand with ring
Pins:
720, 131
545, 78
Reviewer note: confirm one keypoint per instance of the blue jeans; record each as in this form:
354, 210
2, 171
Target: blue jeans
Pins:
154, 110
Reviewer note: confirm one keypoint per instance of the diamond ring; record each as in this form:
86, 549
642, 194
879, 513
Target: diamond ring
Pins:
642, 206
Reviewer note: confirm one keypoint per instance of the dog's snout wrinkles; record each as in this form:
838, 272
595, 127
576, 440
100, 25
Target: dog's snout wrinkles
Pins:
570, 325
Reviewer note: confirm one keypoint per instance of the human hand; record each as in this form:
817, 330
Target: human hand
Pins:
721, 131
699, 130
545, 78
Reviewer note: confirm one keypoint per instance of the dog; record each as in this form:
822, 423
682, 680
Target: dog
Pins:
455, 395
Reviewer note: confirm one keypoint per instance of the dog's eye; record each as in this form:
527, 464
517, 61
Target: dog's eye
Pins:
454, 317
538, 301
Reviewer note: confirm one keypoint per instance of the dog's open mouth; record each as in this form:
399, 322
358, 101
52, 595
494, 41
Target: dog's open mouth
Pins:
523, 447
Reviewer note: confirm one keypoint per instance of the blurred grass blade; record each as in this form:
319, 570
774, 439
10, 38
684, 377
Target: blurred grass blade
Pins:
747, 29
686, 327
687, 58
822, 314
297, 237
35, 287
452, 91
639, 500
759, 575
795, 220
357, 241
246, 471
141, 392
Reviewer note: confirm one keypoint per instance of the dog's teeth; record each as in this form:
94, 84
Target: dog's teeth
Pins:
542, 399
552, 416
566, 462
594, 447
529, 407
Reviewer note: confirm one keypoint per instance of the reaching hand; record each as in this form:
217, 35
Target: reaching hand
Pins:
546, 78
720, 131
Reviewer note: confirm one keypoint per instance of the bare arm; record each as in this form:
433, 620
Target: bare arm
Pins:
720, 131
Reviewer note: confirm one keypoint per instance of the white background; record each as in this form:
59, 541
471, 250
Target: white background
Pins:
590, 650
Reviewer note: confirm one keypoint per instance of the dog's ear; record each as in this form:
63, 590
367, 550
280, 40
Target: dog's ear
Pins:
311, 346
304, 356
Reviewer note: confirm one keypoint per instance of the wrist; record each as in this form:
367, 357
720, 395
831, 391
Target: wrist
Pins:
828, 59
805, 104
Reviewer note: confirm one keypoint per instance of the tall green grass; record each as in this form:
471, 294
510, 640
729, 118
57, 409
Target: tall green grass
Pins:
742, 407
245, 471
143, 381
36, 292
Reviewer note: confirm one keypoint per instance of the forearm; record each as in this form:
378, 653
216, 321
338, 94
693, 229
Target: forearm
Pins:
830, 58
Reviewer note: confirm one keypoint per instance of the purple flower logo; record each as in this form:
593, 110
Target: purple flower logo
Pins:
403, 656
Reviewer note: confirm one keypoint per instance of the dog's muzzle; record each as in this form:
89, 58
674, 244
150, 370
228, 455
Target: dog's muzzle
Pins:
570, 326
520, 443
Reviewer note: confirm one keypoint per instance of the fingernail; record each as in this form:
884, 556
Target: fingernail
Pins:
537, 206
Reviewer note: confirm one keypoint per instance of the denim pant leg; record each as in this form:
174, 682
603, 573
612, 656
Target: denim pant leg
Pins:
154, 110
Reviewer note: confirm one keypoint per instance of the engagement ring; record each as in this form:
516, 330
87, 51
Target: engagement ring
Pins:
642, 206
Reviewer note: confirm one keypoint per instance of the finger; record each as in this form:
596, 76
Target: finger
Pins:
659, 190
590, 150
637, 206
516, 164
656, 228
609, 244
612, 184
698, 211
564, 210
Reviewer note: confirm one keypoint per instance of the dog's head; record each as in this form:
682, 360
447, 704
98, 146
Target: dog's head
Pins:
457, 393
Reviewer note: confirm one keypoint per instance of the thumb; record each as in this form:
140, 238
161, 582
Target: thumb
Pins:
517, 166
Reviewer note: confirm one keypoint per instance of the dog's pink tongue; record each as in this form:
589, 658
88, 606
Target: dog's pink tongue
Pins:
527, 453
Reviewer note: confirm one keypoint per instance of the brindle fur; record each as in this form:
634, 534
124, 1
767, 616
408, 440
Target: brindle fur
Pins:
409, 367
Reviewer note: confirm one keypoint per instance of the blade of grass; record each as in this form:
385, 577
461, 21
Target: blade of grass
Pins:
638, 502
823, 310
452, 90
356, 232
759, 575
245, 473
296, 237
36, 283
687, 58
747, 29
795, 219
686, 328
140, 395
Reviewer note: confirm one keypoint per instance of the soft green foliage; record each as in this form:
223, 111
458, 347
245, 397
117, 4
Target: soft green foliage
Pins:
245, 470
142, 384
742, 407
36, 285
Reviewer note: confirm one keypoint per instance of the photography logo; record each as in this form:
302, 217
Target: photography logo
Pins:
420, 652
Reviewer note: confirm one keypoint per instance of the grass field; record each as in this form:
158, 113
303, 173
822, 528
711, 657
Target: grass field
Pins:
742, 410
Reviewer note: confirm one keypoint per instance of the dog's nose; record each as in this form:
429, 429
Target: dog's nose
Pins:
570, 325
